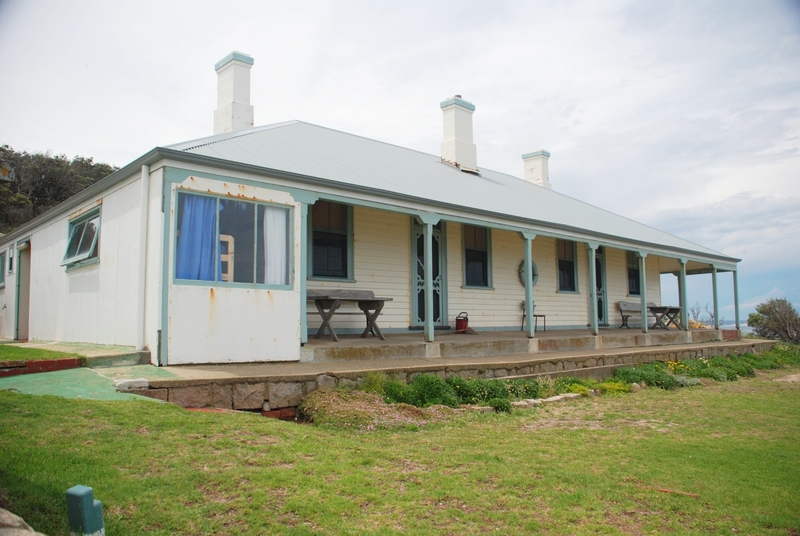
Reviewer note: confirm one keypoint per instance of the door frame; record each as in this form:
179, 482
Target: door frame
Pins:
20, 297
444, 323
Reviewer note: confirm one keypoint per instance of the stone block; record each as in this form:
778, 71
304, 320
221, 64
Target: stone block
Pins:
222, 396
326, 382
343, 382
557, 398
249, 395
589, 363
158, 394
523, 371
534, 401
282, 395
127, 385
522, 404
500, 373
570, 396
198, 396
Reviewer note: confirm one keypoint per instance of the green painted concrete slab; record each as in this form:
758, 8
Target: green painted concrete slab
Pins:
74, 383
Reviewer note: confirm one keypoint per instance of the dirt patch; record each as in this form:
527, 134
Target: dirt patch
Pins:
791, 378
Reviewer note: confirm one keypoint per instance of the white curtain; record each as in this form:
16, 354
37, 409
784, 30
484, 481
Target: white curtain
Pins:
276, 250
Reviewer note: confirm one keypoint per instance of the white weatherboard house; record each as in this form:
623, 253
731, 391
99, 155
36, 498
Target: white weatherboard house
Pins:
203, 251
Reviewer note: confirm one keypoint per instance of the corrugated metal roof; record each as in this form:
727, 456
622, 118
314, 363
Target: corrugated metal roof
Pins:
310, 150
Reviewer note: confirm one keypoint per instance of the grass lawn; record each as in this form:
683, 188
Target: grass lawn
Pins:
17, 353
591, 466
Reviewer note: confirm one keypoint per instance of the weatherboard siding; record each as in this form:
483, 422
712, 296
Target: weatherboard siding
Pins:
381, 263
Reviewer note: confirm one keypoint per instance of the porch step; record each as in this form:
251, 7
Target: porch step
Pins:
488, 343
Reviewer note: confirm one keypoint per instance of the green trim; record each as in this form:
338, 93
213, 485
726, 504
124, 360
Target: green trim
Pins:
576, 272
350, 278
303, 272
417, 227
3, 269
233, 56
540, 152
82, 259
168, 209
326, 278
217, 283
458, 101
489, 282
87, 262
16, 298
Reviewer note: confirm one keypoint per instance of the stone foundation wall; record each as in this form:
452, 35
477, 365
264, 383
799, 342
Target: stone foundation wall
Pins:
272, 394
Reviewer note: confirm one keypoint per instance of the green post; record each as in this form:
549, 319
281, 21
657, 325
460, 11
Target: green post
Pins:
591, 250
643, 288
85, 514
716, 301
529, 306
428, 258
736, 297
303, 272
682, 295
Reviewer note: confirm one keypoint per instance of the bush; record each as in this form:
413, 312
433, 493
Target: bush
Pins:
500, 404
685, 381
610, 387
579, 389
776, 319
429, 390
374, 382
650, 374
522, 388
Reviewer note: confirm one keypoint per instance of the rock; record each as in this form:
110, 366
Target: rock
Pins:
249, 395
127, 385
324, 381
284, 395
522, 404
635, 387
557, 398
570, 396
13, 525
191, 397
534, 401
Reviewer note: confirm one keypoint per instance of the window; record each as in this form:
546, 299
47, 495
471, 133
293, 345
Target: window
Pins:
84, 234
566, 266
231, 241
331, 240
2, 269
633, 274
476, 257
11, 260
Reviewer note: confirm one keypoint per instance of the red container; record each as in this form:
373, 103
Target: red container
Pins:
462, 323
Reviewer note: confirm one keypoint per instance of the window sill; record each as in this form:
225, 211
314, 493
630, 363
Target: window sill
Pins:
330, 278
80, 264
225, 284
475, 287
569, 291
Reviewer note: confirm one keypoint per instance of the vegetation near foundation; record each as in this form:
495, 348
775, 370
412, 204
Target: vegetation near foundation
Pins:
720, 459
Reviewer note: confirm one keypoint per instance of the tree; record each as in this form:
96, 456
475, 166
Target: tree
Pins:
776, 319
36, 182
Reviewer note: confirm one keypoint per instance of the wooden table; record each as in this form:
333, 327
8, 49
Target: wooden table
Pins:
329, 301
666, 316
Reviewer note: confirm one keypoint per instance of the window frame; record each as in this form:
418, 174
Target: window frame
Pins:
574, 261
489, 282
10, 259
350, 271
3, 258
218, 282
632, 255
91, 256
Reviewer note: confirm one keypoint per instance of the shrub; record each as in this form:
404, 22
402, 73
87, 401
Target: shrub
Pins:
579, 389
685, 381
430, 390
776, 319
650, 374
500, 404
547, 386
522, 388
374, 382
611, 387
398, 392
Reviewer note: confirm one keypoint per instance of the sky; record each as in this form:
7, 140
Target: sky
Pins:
683, 115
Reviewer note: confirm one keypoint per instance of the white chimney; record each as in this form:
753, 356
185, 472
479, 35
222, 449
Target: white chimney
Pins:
234, 111
536, 168
457, 147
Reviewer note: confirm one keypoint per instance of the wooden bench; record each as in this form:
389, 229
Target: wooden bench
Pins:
328, 302
631, 308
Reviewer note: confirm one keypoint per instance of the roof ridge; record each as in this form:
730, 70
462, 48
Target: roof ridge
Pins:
217, 138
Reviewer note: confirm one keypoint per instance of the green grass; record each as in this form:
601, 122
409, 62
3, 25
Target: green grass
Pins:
589, 466
18, 353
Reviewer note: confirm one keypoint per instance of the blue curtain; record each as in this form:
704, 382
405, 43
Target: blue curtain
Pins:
197, 240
